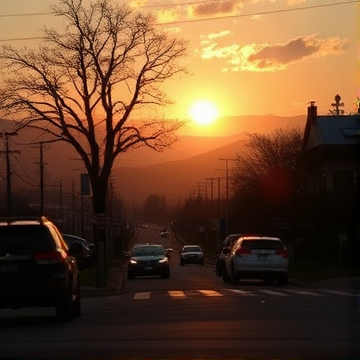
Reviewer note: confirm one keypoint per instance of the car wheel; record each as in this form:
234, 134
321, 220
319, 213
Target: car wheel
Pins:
77, 304
64, 307
225, 276
234, 279
284, 280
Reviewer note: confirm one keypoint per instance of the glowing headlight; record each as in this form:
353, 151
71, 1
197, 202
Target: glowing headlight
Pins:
133, 261
164, 260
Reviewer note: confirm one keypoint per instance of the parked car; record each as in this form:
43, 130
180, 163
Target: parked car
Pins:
85, 257
191, 254
37, 269
164, 233
256, 257
220, 261
147, 259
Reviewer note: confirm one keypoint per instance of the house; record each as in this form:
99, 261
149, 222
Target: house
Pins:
330, 155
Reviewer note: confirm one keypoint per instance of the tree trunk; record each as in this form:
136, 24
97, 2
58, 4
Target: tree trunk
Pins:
100, 225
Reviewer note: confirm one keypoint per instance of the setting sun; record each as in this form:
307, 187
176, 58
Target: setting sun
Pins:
203, 112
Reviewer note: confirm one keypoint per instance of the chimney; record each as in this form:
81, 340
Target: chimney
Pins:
312, 113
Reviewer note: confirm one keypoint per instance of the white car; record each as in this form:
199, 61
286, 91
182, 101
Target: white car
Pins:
191, 254
257, 257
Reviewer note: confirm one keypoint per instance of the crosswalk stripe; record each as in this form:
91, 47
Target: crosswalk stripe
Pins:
271, 292
243, 292
339, 292
210, 293
177, 294
311, 293
142, 295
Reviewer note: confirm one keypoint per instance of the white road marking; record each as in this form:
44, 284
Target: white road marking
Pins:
243, 292
177, 294
142, 295
272, 292
211, 293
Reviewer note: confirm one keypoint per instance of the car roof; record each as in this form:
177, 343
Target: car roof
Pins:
73, 237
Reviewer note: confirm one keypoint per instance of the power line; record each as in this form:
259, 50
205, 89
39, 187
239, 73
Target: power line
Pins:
269, 12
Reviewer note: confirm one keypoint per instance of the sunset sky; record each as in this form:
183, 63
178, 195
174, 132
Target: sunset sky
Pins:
247, 57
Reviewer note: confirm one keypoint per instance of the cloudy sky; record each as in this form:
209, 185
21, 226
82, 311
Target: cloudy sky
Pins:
248, 57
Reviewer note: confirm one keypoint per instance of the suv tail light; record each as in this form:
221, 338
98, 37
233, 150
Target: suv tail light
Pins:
242, 251
50, 257
282, 252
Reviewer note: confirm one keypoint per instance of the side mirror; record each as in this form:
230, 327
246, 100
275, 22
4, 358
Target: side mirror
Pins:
75, 249
226, 251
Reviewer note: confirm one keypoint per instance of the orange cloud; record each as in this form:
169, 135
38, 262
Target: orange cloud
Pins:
272, 57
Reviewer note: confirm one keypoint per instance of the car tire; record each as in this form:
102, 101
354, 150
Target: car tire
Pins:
234, 279
284, 280
64, 308
77, 304
225, 276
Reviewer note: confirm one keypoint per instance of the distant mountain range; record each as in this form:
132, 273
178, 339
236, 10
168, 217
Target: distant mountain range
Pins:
175, 173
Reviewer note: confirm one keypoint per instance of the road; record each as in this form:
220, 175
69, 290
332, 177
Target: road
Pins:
191, 315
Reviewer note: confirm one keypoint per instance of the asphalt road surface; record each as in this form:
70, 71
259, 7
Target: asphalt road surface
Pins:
192, 315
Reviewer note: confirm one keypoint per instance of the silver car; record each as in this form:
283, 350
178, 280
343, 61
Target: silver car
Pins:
257, 257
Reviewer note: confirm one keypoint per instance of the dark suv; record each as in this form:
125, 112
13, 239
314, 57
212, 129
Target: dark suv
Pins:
37, 268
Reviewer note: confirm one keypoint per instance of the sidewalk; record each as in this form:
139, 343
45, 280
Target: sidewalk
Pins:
340, 283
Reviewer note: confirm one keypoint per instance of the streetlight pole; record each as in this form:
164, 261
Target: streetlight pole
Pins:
227, 193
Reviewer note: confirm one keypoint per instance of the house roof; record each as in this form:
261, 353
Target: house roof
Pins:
332, 130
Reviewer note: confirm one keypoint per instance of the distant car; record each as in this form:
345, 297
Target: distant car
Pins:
164, 233
146, 260
220, 261
192, 254
257, 257
37, 269
84, 257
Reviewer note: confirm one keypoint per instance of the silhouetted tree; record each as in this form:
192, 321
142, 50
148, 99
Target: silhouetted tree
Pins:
85, 83
267, 177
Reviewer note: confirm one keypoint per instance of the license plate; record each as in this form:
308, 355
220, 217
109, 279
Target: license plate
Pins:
148, 268
262, 257
8, 267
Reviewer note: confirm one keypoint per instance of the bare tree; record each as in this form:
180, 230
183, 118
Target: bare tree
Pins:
85, 84
266, 178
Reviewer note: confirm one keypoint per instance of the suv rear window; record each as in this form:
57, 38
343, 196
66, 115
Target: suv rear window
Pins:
24, 239
262, 244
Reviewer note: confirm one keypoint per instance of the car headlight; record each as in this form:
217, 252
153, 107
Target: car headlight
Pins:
164, 260
133, 262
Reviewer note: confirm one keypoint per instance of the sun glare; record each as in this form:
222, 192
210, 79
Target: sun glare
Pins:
203, 112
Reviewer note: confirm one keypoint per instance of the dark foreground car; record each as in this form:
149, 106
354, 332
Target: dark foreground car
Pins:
36, 267
85, 257
148, 259
191, 254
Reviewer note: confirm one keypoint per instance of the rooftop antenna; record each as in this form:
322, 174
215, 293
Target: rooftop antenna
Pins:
336, 105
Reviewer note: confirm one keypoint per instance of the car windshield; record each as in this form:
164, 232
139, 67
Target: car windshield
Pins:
148, 250
262, 244
192, 249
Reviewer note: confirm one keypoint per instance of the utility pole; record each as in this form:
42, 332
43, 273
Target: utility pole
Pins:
227, 192
7, 152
